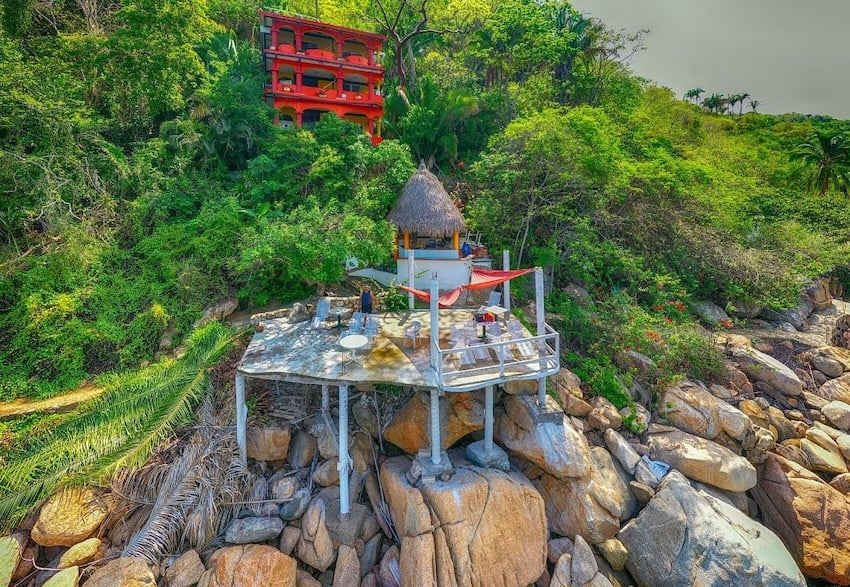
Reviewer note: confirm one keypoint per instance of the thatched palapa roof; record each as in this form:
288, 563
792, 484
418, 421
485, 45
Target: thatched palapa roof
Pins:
425, 208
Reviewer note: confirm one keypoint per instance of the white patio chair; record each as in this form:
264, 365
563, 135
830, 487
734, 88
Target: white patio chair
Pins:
412, 332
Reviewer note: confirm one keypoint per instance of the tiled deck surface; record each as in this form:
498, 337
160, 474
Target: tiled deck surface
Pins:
298, 352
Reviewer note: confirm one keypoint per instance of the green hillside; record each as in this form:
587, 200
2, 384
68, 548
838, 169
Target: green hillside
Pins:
142, 179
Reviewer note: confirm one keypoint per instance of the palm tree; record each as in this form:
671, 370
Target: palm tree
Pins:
693, 94
713, 103
830, 158
741, 97
754, 104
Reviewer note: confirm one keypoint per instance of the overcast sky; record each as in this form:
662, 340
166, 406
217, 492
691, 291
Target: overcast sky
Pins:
790, 55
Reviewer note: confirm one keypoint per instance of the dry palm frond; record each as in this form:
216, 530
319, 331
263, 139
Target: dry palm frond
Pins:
122, 428
191, 495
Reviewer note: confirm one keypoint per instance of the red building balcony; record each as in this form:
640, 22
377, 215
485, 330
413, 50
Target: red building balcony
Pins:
316, 67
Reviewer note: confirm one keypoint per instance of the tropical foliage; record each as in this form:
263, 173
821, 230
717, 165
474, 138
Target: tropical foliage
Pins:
142, 179
122, 428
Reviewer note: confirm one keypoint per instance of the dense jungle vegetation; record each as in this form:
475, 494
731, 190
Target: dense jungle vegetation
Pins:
141, 179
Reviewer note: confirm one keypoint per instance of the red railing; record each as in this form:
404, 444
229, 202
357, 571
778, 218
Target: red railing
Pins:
329, 94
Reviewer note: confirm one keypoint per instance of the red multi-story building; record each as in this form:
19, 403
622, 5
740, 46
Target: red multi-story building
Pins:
317, 68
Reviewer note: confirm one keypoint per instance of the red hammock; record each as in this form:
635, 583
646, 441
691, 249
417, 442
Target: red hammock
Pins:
481, 278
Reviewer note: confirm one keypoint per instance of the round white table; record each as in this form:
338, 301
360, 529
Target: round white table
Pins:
352, 343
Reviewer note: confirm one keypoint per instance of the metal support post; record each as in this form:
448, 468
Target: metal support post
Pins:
488, 420
241, 419
344, 500
506, 288
435, 426
411, 282
541, 330
435, 322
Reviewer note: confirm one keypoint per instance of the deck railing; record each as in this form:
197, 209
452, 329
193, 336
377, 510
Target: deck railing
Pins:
539, 357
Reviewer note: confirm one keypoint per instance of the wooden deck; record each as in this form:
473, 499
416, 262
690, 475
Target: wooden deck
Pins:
298, 352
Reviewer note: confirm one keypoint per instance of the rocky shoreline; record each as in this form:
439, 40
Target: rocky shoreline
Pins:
740, 483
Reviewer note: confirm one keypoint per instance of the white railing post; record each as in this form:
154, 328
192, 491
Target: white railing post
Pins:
410, 280
506, 287
541, 332
344, 501
241, 419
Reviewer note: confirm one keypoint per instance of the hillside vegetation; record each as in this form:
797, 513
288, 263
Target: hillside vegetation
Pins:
142, 179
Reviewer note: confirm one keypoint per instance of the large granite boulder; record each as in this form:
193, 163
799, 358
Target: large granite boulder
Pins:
701, 459
482, 527
811, 518
556, 447
686, 537
69, 517
591, 506
692, 408
409, 428
250, 565
761, 367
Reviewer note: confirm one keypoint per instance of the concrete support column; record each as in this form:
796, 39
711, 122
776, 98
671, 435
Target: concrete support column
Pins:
339, 81
371, 87
506, 287
241, 419
339, 45
344, 499
298, 81
274, 79
488, 420
371, 126
326, 398
299, 45
410, 274
299, 118
435, 426
274, 37
541, 330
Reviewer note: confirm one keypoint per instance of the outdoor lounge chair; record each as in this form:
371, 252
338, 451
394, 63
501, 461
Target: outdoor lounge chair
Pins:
322, 308
524, 349
495, 298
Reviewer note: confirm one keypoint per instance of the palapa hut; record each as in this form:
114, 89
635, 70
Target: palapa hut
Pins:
429, 227
425, 211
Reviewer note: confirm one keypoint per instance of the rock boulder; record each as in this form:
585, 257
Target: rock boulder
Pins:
69, 517
701, 459
556, 447
686, 537
482, 527
123, 572
811, 518
409, 427
251, 565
